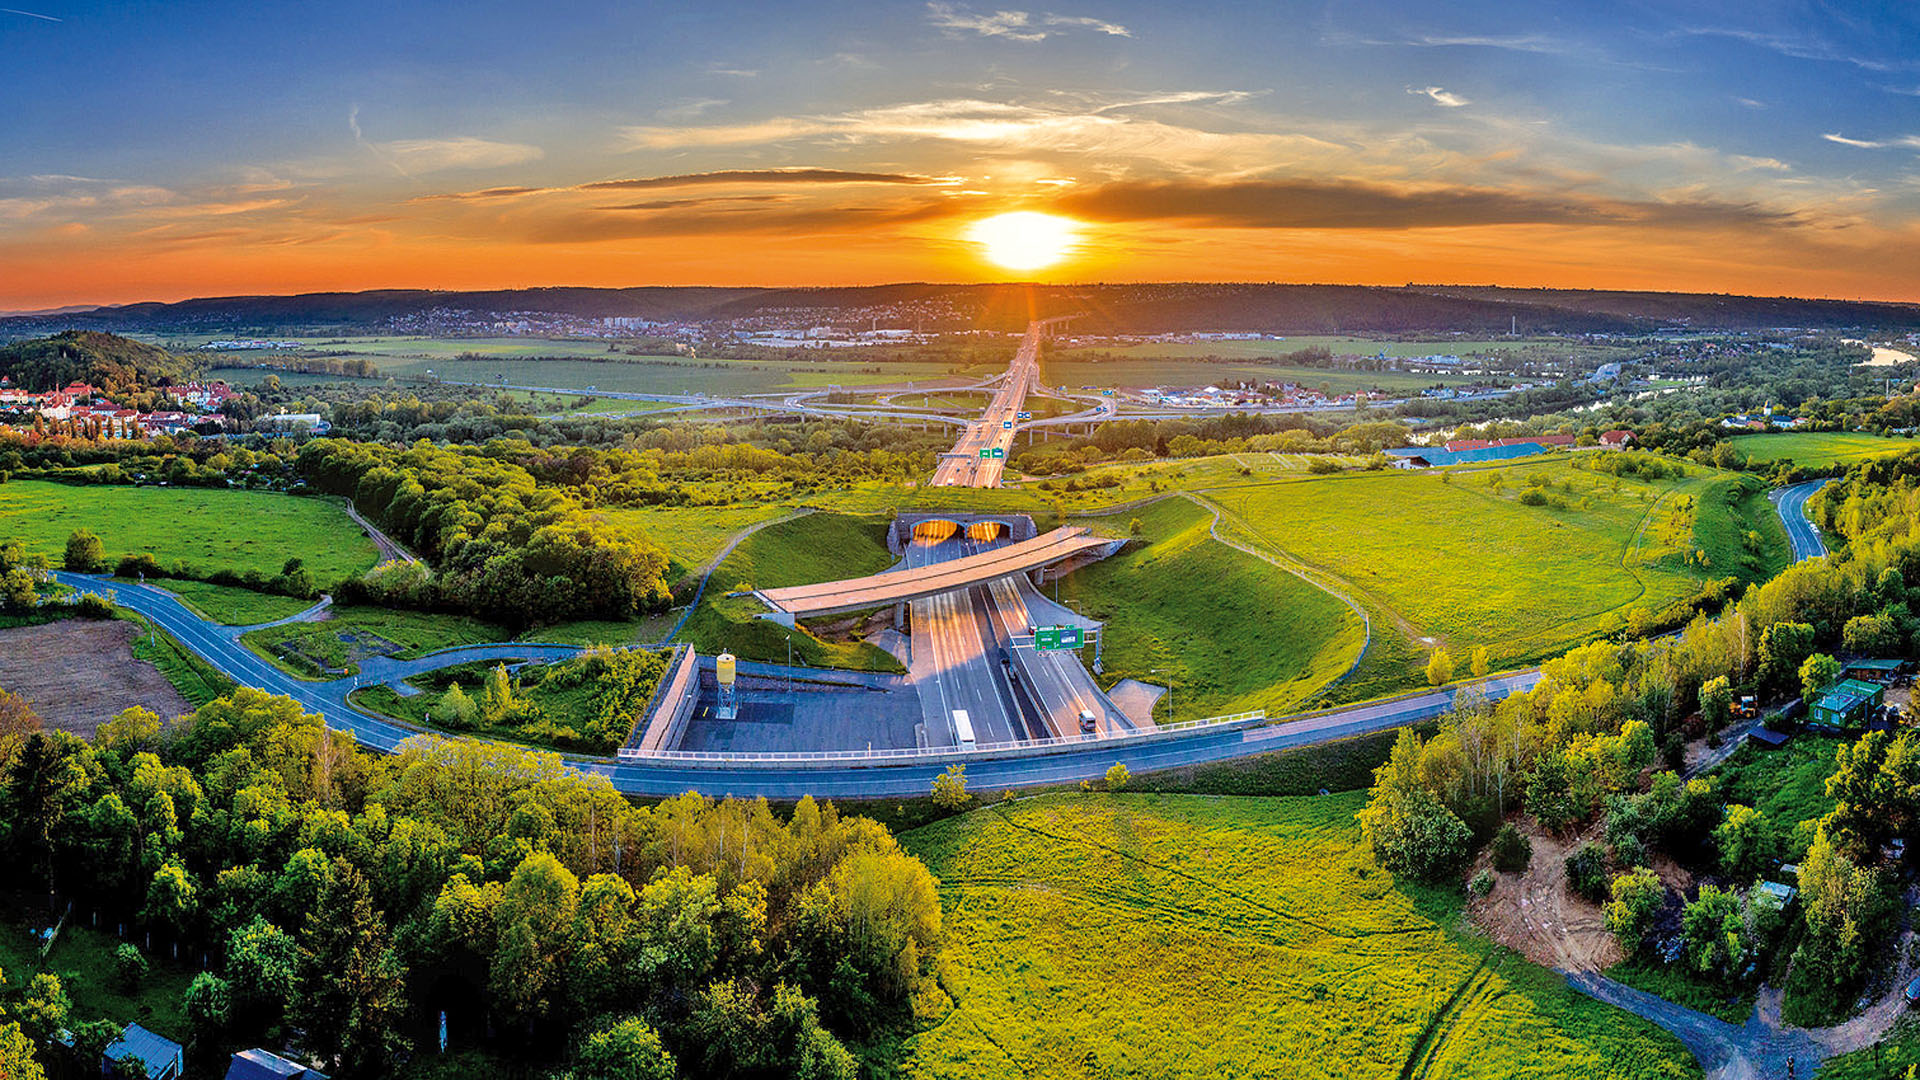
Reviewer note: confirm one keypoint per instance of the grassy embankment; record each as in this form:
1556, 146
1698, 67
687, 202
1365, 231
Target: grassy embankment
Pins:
1818, 449
1180, 936
211, 529
231, 606
557, 712
805, 550
415, 632
1236, 632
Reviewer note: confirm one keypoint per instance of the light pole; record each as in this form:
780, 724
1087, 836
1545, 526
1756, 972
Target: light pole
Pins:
789, 664
1168, 672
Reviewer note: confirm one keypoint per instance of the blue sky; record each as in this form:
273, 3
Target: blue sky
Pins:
163, 150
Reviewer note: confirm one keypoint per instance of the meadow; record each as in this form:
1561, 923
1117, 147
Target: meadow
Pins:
1458, 561
414, 632
1229, 631
1097, 935
83, 958
1063, 370
233, 606
210, 529
1336, 344
1818, 449
804, 550
692, 536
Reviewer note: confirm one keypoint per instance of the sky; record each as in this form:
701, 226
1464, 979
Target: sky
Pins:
163, 150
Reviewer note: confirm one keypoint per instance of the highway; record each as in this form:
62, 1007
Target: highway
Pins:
788, 779
1804, 535
956, 659
980, 456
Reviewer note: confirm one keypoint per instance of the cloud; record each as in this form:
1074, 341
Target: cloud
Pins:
1440, 96
691, 108
1750, 103
732, 72
30, 14
484, 193
766, 176
1527, 43
1910, 142
1015, 25
1799, 47
458, 152
1320, 204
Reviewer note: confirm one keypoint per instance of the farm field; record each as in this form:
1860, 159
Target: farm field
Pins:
210, 529
1819, 449
1271, 640
1466, 564
1338, 345
817, 547
1186, 936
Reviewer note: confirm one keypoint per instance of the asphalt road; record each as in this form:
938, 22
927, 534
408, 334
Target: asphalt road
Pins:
1791, 504
784, 779
956, 661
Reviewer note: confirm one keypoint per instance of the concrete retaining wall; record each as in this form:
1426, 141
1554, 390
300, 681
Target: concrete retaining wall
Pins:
672, 705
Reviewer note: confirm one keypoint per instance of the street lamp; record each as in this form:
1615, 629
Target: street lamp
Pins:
789, 663
1167, 671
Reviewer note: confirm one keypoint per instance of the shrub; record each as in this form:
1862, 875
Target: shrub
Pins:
1512, 851
1117, 777
1587, 871
95, 606
950, 788
129, 967
1482, 883
1636, 899
85, 554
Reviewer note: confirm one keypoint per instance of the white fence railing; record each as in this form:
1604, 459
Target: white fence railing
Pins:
1189, 727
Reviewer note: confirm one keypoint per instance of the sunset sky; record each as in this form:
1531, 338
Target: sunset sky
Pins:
162, 150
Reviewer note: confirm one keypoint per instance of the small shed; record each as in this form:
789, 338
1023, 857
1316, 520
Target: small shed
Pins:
1847, 703
163, 1057
1878, 671
1768, 737
258, 1064
1774, 895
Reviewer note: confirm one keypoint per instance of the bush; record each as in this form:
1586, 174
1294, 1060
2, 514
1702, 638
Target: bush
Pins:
85, 554
950, 788
1117, 777
129, 967
1512, 851
95, 606
1637, 896
1587, 871
1482, 883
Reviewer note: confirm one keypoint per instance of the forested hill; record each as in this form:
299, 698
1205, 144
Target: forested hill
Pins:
1146, 308
115, 364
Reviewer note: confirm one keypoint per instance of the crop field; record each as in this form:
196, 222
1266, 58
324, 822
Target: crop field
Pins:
1272, 641
817, 547
1187, 936
210, 529
1819, 449
1469, 564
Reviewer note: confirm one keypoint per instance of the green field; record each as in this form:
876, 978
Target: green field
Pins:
692, 536
1460, 562
210, 529
1338, 345
233, 606
1231, 631
805, 550
374, 630
1146, 371
83, 958
1818, 449
1187, 936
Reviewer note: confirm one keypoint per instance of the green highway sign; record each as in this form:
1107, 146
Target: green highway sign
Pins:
1059, 637
986, 452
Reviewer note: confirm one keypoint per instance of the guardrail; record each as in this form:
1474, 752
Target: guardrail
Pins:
930, 753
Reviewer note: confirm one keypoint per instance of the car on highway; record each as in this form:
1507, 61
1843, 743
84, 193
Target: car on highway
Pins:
1088, 721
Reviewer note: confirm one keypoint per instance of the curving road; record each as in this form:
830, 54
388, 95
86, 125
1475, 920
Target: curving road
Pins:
1791, 504
782, 778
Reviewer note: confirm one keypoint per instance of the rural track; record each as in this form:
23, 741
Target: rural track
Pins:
390, 549
706, 571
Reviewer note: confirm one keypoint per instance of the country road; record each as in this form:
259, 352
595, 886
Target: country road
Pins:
785, 778
1791, 504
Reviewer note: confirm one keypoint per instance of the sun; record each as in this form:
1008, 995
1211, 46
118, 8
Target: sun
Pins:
1025, 239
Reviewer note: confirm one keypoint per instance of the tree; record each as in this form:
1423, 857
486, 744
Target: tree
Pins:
1439, 668
1511, 850
623, 1050
497, 699
1636, 899
1783, 648
1586, 868
1713, 929
44, 1008
1133, 527
1716, 702
1117, 777
18, 590
351, 996
17, 721
457, 710
1480, 662
262, 972
172, 898
208, 1007
17, 1060
129, 967
134, 729
950, 788
1816, 674
1742, 838
85, 553
535, 914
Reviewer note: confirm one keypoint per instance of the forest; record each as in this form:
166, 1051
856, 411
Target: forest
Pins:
344, 900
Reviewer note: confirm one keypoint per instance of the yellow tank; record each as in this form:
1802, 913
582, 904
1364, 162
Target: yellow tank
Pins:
723, 669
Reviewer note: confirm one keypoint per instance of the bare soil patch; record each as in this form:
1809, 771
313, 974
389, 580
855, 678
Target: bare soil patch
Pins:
77, 674
1535, 914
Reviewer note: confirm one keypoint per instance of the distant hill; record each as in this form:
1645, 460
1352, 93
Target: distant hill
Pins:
113, 363
1149, 308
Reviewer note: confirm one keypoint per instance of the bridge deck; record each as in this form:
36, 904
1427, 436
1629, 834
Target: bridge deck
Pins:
853, 594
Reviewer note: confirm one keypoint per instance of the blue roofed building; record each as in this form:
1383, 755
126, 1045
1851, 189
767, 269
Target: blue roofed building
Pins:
257, 1064
163, 1057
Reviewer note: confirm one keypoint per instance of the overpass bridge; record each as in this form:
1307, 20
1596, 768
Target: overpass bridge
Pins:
899, 586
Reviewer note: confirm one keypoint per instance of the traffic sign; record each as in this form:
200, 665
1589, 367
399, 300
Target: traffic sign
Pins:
1059, 637
999, 451
1109, 393
1024, 416
1006, 425
986, 452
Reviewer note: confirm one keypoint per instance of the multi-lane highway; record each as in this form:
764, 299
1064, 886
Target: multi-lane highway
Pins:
785, 777
978, 459
1791, 503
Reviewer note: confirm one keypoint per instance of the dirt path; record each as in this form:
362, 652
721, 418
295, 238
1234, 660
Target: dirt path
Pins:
1537, 915
390, 551
78, 674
